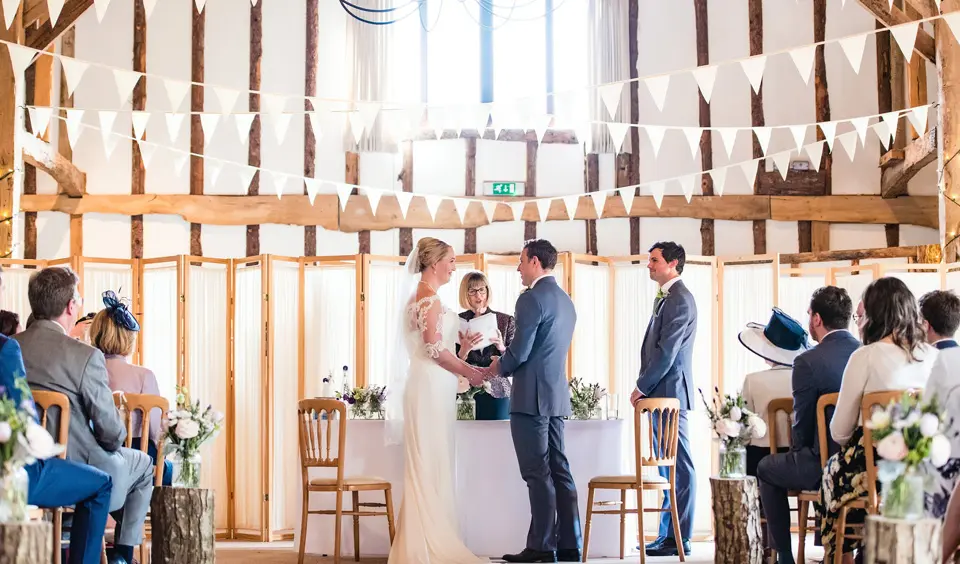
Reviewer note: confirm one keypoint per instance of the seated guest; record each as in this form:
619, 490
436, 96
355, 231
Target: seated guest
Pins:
114, 332
54, 361
474, 297
81, 331
816, 372
940, 315
9, 323
59, 483
894, 357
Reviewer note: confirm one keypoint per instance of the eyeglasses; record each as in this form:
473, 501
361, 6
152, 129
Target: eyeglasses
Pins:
477, 291
859, 318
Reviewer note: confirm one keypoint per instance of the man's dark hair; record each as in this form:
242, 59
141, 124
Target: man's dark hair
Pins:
9, 323
50, 291
941, 309
545, 252
671, 252
834, 307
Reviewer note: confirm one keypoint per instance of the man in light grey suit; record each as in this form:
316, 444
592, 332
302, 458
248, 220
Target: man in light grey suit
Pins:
540, 399
666, 371
59, 363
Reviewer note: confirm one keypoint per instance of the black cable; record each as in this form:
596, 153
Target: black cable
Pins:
345, 4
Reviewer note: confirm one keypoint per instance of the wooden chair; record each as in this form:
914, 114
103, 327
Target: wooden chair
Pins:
316, 420
869, 502
665, 414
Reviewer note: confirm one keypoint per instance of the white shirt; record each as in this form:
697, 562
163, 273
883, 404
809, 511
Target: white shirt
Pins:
944, 382
539, 278
666, 285
759, 389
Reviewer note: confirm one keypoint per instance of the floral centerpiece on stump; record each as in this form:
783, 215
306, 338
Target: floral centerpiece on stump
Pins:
186, 429
585, 399
735, 426
906, 435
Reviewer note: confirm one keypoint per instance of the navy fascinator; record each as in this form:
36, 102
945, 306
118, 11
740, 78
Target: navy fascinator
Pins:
118, 311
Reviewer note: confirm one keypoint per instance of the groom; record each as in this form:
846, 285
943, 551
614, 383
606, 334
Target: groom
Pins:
537, 359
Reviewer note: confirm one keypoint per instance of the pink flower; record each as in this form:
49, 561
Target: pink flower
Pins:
463, 385
892, 447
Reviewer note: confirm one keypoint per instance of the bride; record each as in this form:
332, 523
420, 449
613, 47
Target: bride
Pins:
428, 531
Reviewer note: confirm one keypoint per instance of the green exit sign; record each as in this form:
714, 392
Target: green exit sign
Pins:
503, 188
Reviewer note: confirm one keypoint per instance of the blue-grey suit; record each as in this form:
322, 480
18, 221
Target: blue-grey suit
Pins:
537, 359
666, 371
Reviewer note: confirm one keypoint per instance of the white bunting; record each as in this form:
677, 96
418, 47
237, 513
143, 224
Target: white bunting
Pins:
247, 172
657, 190
655, 133
139, 120
782, 160
403, 200
686, 186
627, 195
433, 204
73, 71
763, 137
54, 7
109, 144
918, 117
719, 176
599, 199
126, 81
40, 119
705, 77
253, 3
571, 203
209, 124
953, 22
147, 150
243, 123
517, 210
860, 124
356, 126
906, 36
883, 133
20, 58
489, 208
461, 205
368, 112
729, 137
315, 125
481, 115
106, 122
414, 116
540, 126
815, 152
373, 197
829, 130
211, 171
693, 135
176, 92
938, 4
799, 135
200, 4
803, 60
853, 48
543, 208
148, 6
610, 94
750, 169
179, 162
10, 9
272, 103
343, 192
313, 186
227, 98
174, 125
618, 132
892, 121
101, 6
74, 121
658, 85
849, 143
753, 68
281, 124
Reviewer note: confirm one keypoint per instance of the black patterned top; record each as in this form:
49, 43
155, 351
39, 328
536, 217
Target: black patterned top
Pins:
484, 357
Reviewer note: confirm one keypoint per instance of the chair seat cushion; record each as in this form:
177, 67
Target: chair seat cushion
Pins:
371, 482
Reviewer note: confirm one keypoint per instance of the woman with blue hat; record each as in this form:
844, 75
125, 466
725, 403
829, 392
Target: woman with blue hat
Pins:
778, 342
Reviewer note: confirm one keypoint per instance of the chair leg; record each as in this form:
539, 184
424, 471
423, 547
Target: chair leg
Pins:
643, 541
804, 507
57, 535
337, 529
676, 523
623, 522
840, 531
586, 531
390, 525
356, 526
303, 525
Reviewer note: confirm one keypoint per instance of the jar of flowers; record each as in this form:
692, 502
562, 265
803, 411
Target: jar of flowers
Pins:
466, 404
735, 426
186, 429
585, 399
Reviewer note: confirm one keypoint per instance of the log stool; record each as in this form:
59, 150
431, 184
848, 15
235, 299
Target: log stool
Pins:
899, 541
736, 520
26, 543
182, 530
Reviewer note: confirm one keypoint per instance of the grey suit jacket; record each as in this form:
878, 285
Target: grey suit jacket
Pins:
537, 357
60, 363
666, 358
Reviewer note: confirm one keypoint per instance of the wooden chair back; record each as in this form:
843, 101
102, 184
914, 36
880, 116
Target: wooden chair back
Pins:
869, 402
773, 408
129, 404
45, 401
664, 415
825, 402
317, 418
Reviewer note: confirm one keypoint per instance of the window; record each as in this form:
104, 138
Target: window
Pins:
453, 51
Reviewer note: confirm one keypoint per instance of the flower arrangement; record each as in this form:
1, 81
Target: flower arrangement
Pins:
365, 403
497, 387
466, 404
735, 426
186, 429
585, 399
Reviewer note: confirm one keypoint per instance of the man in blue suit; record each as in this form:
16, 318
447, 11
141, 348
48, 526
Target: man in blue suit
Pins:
666, 371
540, 399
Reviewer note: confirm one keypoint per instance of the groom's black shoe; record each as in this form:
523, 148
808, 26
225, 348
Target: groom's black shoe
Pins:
655, 544
568, 555
669, 548
527, 555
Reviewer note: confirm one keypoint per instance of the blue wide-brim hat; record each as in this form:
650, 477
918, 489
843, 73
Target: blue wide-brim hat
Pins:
781, 340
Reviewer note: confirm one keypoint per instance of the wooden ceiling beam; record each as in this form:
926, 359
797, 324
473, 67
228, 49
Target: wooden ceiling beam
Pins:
858, 254
891, 17
915, 156
44, 35
71, 180
35, 12
925, 8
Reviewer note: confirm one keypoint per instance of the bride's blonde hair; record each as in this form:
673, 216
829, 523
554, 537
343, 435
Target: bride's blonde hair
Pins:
430, 251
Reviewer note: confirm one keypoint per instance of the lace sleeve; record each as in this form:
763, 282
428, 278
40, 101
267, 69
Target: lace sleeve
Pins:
430, 324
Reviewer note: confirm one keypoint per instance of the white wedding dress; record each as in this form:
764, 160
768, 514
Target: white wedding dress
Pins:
428, 528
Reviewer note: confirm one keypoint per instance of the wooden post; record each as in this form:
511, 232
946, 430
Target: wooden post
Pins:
309, 137
736, 521
30, 171
406, 182
469, 189
708, 246
256, 127
138, 177
948, 131
633, 176
196, 128
591, 172
26, 543
899, 541
8, 127
352, 176
68, 49
182, 528
530, 187
755, 13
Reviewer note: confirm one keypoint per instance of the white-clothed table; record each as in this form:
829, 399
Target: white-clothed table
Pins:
492, 502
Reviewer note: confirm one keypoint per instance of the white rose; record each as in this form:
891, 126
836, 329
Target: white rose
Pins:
728, 428
5, 431
892, 447
463, 385
929, 425
939, 450
879, 419
735, 414
187, 429
218, 417
758, 428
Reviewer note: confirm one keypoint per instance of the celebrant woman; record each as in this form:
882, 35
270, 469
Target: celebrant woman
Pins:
484, 334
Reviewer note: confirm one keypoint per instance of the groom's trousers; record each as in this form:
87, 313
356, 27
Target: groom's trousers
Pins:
686, 483
554, 513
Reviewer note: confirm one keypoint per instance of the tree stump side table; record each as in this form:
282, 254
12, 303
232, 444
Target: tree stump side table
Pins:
181, 523
26, 543
899, 541
736, 520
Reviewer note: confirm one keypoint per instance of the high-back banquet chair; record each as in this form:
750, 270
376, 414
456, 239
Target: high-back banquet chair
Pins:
664, 413
45, 402
871, 501
317, 419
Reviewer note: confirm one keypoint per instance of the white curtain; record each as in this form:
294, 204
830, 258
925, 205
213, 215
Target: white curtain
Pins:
505, 286
286, 483
953, 281
330, 324
591, 337
159, 319
855, 284
450, 292
207, 299
795, 294
747, 297
383, 319
14, 298
919, 282
98, 278
248, 400
608, 60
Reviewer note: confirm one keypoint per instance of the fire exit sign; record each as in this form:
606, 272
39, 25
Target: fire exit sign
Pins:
503, 188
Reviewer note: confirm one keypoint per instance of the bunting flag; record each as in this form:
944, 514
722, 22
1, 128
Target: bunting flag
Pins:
906, 37
148, 6
74, 121
373, 198
281, 124
540, 127
54, 7
618, 131
176, 92
860, 124
101, 7
40, 119
750, 169
10, 10
729, 137
179, 162
880, 128
208, 122
657, 86
139, 121
953, 22
829, 130
599, 199
517, 210
686, 186
815, 152
782, 160
174, 125
73, 71
853, 47
693, 135
403, 200
314, 124
571, 203
627, 196
356, 127
655, 133
799, 135
313, 186
106, 129
147, 150
489, 209
705, 76
20, 58
763, 138
273, 103
200, 4
126, 81
461, 205
610, 94
803, 60
849, 143
891, 120
543, 208
657, 189
343, 192
368, 113
227, 98
247, 172
719, 176
753, 68
918, 117
243, 123
211, 171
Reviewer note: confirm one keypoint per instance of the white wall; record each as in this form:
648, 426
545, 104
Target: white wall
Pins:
666, 43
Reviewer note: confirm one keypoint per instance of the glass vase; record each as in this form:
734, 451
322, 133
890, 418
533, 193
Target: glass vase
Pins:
359, 411
186, 470
587, 412
14, 483
466, 409
901, 492
733, 460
